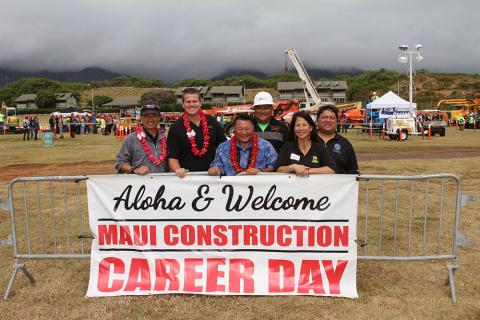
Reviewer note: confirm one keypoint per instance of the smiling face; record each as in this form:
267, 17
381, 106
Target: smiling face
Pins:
263, 113
150, 121
244, 130
302, 128
191, 104
327, 122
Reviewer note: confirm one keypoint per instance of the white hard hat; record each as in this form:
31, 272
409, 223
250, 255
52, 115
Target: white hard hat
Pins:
263, 98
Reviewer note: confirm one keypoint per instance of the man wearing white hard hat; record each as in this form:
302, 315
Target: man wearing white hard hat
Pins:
266, 126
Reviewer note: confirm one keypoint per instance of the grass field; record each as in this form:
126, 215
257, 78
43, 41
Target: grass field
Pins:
387, 290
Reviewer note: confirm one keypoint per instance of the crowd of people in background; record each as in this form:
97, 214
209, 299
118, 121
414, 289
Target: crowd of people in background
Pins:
72, 124
469, 121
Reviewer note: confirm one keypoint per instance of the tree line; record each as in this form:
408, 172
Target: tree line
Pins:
426, 92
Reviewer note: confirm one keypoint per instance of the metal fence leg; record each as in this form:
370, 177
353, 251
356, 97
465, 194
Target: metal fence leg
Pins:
17, 266
451, 280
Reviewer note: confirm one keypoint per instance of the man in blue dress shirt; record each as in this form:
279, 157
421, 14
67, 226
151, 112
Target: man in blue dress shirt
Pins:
244, 153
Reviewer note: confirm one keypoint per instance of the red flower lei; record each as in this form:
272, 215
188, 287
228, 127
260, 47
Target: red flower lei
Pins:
163, 145
191, 134
252, 158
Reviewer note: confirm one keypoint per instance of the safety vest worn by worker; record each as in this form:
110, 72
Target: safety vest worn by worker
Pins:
1, 117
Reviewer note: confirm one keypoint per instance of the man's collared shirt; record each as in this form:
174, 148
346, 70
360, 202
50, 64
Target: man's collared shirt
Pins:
265, 159
133, 153
341, 150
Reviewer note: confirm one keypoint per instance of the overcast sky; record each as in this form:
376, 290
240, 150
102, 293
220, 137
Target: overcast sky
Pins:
174, 40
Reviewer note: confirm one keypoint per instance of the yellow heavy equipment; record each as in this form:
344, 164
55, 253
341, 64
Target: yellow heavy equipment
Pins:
459, 106
11, 122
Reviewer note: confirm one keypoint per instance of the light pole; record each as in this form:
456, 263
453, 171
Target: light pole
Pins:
407, 56
244, 98
91, 88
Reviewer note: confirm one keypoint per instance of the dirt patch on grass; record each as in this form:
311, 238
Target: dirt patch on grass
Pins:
64, 169
108, 167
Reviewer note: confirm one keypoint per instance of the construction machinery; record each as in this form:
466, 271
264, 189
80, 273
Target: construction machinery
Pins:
311, 94
280, 109
457, 107
12, 122
355, 114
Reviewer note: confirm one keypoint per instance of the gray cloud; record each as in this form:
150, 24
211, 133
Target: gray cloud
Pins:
179, 39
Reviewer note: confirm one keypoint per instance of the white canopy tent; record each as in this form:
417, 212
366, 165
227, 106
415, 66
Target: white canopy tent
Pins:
392, 106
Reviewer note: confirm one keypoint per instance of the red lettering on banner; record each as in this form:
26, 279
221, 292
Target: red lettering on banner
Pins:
310, 269
340, 237
113, 235
124, 236
281, 276
241, 270
107, 234
191, 274
219, 231
205, 235
267, 235
104, 274
167, 235
141, 235
162, 274
234, 228
139, 275
250, 235
281, 239
311, 236
299, 230
187, 235
324, 236
213, 274
334, 275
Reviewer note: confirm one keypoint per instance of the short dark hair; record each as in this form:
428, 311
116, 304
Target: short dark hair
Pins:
190, 91
327, 107
244, 117
149, 109
306, 116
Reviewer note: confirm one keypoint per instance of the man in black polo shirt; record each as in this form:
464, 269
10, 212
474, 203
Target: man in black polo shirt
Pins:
340, 149
193, 138
267, 127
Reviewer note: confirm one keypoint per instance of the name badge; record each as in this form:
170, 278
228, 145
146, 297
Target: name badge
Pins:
295, 157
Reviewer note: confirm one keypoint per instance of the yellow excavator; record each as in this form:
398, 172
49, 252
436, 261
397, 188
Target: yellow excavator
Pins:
459, 106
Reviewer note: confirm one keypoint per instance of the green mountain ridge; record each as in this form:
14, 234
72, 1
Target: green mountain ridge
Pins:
429, 87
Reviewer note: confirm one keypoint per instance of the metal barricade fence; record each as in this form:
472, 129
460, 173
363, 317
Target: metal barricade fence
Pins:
400, 218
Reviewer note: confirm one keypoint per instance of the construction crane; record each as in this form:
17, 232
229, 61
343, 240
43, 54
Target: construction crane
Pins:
309, 85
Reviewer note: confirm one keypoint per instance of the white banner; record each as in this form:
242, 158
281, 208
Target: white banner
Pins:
244, 235
395, 112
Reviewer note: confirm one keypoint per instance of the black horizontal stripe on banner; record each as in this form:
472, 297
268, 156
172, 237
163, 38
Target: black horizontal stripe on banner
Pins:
222, 220
223, 250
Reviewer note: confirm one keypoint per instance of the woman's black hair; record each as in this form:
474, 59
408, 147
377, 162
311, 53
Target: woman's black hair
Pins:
306, 117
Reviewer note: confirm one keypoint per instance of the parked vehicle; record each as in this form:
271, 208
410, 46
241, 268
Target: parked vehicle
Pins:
402, 127
12, 122
436, 127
